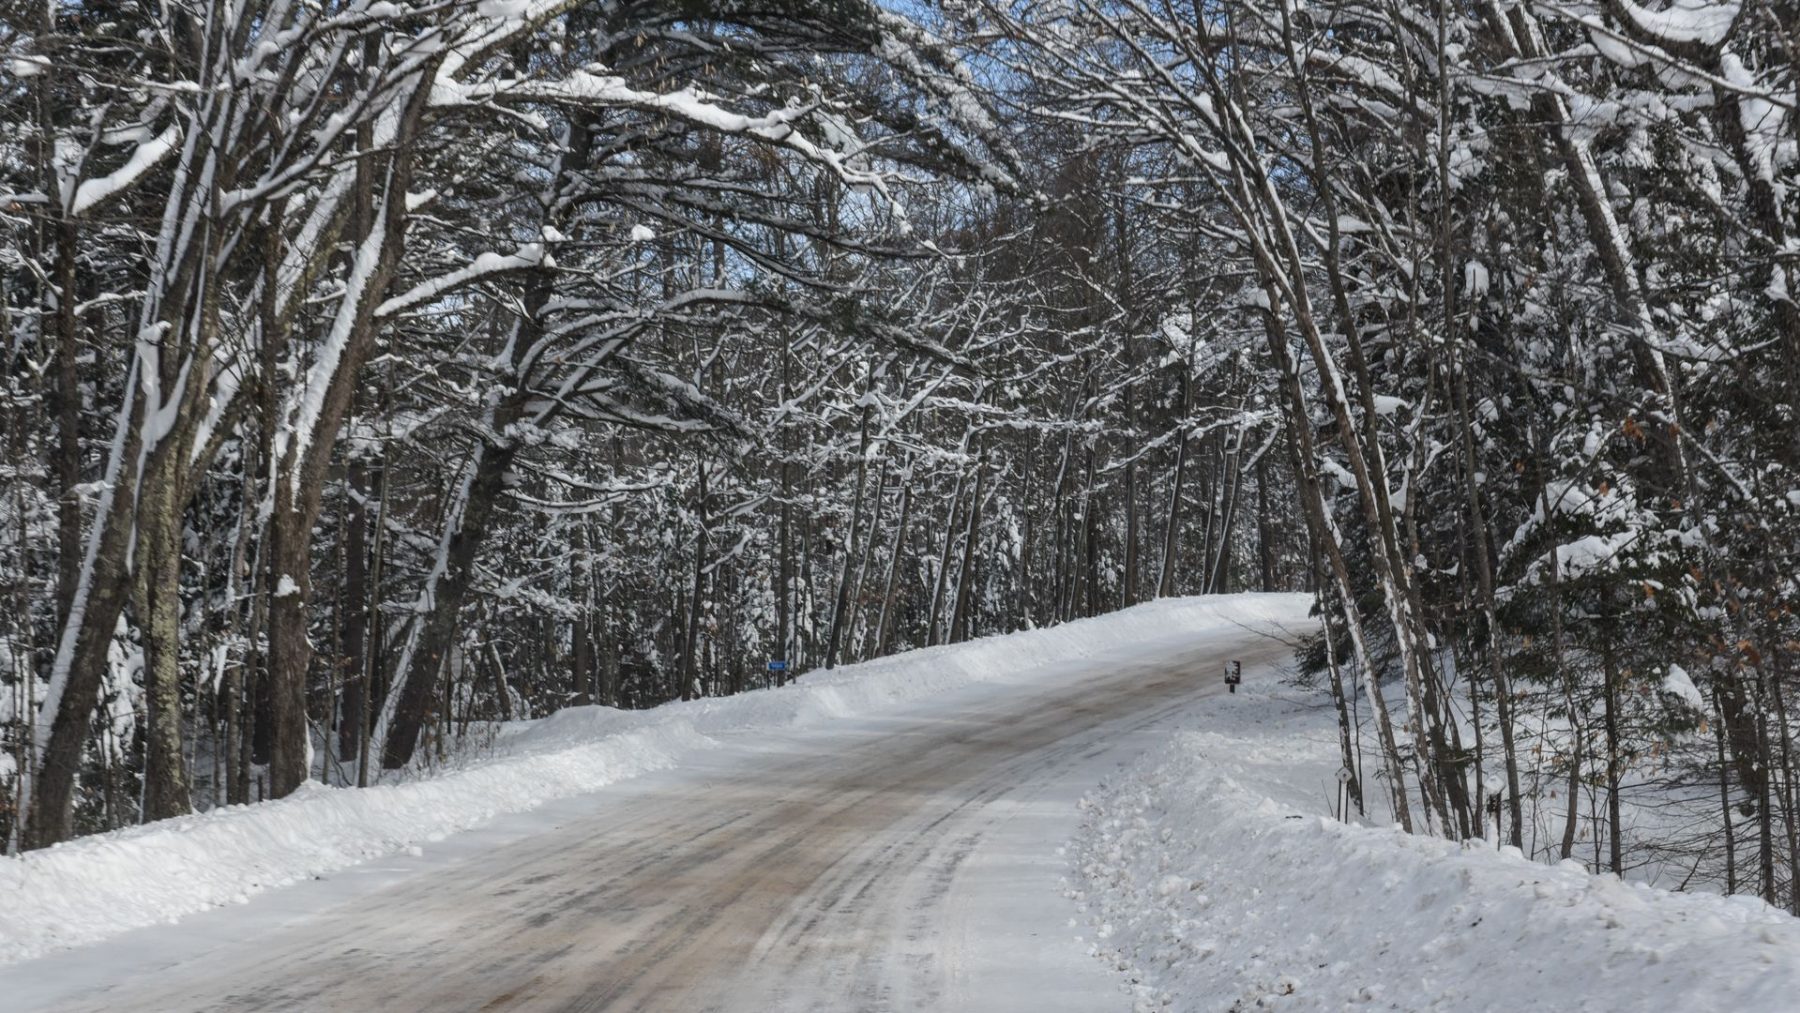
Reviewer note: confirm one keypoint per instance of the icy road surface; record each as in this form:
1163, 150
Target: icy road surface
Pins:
907, 862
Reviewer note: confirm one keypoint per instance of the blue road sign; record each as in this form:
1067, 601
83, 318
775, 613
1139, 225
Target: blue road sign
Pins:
778, 666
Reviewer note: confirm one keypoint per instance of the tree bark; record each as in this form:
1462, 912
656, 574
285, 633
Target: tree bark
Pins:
841, 604
166, 786
1265, 549
959, 616
690, 647
943, 570
67, 393
1165, 583
417, 671
304, 454
890, 605
354, 602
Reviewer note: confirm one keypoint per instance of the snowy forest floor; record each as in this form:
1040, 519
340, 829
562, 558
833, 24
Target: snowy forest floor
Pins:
1213, 875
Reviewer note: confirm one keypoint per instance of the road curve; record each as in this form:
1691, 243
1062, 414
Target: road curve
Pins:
826, 872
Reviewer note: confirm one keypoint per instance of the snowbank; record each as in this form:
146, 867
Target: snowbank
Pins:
1212, 877
97, 886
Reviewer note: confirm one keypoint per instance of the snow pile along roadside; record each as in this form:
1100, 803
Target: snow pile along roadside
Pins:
1032, 656
97, 886
1212, 877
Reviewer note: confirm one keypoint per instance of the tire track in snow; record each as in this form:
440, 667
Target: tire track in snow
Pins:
818, 875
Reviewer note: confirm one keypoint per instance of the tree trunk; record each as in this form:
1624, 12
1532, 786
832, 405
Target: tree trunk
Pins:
80, 664
1484, 570
1165, 582
1220, 572
1265, 550
312, 423
856, 636
890, 606
1090, 539
1323, 530
690, 647
784, 572
943, 571
290, 648
373, 645
416, 673
67, 394
841, 604
959, 617
1346, 745
166, 788
354, 602
1725, 798
1609, 671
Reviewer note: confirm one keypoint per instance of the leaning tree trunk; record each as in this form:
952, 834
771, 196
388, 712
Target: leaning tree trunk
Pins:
416, 673
73, 688
317, 413
1326, 536
471, 514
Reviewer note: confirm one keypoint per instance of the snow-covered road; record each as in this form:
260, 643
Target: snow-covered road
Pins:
908, 861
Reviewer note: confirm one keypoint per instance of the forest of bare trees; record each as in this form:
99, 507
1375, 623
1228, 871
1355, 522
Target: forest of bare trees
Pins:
376, 371
402, 369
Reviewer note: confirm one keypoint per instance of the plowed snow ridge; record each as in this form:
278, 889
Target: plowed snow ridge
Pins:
1212, 875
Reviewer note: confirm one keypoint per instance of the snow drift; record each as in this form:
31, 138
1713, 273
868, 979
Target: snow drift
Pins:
1212, 877
93, 887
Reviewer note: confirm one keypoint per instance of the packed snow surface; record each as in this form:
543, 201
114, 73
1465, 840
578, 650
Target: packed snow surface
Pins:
1212, 874
97, 886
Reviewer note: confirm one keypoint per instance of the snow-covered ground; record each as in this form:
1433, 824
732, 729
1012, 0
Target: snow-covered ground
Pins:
1212, 875
95, 887
1206, 870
